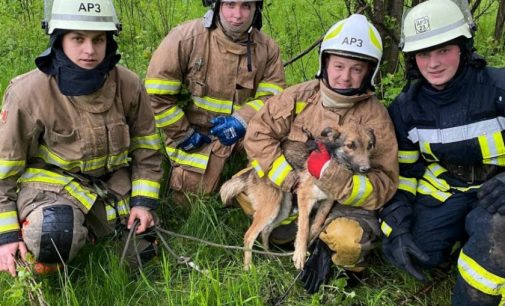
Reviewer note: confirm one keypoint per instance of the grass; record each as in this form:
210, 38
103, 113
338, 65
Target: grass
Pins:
95, 276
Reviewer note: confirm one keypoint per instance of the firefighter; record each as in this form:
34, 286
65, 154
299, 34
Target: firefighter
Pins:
449, 122
342, 93
229, 68
79, 151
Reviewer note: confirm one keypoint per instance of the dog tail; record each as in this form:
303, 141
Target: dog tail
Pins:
232, 187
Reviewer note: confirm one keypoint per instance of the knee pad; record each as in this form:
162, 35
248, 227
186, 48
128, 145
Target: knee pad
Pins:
54, 231
344, 237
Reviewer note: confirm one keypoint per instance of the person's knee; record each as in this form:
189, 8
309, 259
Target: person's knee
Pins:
54, 233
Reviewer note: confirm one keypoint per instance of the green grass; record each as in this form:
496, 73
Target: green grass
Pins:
95, 276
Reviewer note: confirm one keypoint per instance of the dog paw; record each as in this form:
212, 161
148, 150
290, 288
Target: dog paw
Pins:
299, 260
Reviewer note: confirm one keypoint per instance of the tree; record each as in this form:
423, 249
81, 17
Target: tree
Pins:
500, 21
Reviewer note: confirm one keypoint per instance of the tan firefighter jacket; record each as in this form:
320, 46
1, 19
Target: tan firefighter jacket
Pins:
46, 138
300, 108
214, 71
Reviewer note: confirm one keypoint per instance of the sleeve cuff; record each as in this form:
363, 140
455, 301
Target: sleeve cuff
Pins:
144, 202
10, 237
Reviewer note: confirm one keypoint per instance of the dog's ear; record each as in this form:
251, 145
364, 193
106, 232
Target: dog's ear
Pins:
308, 133
371, 133
330, 133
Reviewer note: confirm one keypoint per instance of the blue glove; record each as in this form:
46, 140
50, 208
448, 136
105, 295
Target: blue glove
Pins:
194, 141
228, 129
400, 251
491, 195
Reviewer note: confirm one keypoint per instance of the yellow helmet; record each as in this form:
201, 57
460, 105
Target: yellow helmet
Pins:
353, 37
97, 15
432, 23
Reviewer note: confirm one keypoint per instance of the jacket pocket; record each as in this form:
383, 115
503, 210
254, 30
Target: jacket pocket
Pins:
119, 138
95, 142
54, 138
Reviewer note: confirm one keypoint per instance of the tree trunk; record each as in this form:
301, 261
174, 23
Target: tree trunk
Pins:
393, 9
500, 20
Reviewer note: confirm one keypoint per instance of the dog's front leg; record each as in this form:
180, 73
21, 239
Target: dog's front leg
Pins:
306, 202
322, 213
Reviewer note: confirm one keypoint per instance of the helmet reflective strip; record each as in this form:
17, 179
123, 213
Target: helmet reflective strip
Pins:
335, 32
435, 32
374, 39
72, 17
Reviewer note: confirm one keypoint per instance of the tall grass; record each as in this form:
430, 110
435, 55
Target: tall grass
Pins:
96, 278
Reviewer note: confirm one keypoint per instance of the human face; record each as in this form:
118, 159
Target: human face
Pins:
345, 73
440, 65
86, 49
236, 13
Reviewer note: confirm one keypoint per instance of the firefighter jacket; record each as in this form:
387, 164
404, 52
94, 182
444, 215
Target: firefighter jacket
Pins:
57, 143
300, 109
197, 74
450, 140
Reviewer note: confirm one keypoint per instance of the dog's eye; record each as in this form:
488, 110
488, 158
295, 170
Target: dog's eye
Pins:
370, 145
351, 145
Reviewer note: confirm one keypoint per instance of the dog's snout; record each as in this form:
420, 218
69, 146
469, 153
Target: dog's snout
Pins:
364, 169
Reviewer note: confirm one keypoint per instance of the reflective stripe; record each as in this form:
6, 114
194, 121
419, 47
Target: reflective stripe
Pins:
10, 168
150, 142
408, 184
289, 219
162, 87
376, 41
256, 104
334, 32
213, 104
122, 210
123, 206
169, 117
195, 160
435, 31
458, 133
111, 161
9, 221
84, 196
423, 187
256, 165
492, 148
73, 17
361, 190
432, 173
408, 157
145, 188
386, 229
425, 148
479, 278
300, 106
280, 170
111, 212
266, 89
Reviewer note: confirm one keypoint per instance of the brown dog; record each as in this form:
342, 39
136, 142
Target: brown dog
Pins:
349, 145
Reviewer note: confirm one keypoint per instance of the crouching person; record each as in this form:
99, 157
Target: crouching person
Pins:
79, 152
342, 94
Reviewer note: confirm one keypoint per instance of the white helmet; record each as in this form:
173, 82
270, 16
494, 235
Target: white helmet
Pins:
96, 15
353, 37
432, 23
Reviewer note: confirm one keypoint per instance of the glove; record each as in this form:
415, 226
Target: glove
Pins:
228, 129
491, 195
400, 251
318, 161
194, 141
317, 267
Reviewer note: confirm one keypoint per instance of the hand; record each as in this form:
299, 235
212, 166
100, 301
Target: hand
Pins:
8, 253
491, 195
318, 161
194, 141
317, 267
400, 251
228, 129
145, 217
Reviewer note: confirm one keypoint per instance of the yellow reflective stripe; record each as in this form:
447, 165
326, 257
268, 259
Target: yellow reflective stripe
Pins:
9, 221
117, 160
386, 229
431, 175
111, 212
213, 104
150, 142
10, 168
145, 188
361, 190
265, 89
257, 167
168, 117
181, 157
492, 149
300, 106
52, 158
162, 87
479, 278
280, 170
426, 149
335, 32
408, 184
374, 39
123, 206
408, 157
84, 196
289, 219
423, 187
256, 104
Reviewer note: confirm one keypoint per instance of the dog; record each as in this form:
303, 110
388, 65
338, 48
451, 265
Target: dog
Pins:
350, 145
